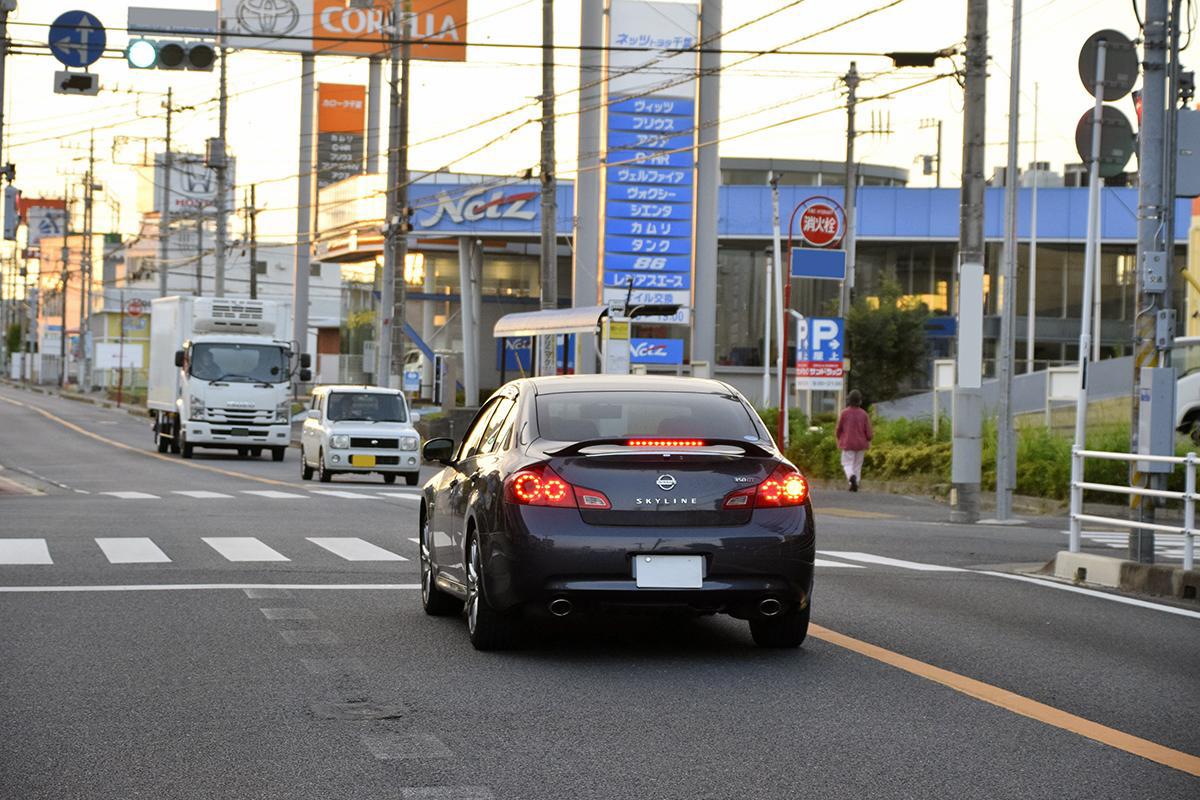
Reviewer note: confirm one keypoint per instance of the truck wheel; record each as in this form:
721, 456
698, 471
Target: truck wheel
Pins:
164, 444
277, 453
255, 452
185, 449
323, 474
243, 452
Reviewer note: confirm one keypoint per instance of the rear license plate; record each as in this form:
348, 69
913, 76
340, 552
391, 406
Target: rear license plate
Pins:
240, 432
362, 461
668, 572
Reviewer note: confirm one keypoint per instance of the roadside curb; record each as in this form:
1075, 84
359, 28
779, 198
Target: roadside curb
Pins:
1126, 576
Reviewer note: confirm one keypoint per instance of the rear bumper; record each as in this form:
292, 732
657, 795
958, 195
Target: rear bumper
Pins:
545, 553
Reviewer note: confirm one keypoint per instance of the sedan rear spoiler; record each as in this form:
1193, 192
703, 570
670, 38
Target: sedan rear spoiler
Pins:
673, 445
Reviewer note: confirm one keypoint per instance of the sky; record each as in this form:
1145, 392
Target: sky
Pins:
46, 135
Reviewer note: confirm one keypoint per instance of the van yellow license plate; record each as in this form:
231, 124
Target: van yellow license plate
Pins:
362, 461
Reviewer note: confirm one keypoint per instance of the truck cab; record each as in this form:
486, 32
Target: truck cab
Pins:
219, 377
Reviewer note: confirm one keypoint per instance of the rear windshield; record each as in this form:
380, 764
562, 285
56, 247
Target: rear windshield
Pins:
579, 416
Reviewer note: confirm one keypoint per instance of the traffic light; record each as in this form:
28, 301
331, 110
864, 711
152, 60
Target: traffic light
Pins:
170, 54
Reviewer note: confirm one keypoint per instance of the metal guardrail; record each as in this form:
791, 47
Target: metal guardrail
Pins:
1188, 497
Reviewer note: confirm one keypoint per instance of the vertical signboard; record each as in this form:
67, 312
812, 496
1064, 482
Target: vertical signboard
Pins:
650, 164
340, 131
43, 217
439, 27
819, 353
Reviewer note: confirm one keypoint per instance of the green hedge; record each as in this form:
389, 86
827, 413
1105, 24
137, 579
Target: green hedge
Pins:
906, 450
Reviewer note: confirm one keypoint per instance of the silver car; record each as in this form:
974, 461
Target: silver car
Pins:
360, 429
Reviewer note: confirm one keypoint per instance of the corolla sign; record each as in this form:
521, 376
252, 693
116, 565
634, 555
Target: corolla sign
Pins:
656, 351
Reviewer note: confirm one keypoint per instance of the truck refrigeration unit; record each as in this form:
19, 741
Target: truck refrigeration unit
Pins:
221, 374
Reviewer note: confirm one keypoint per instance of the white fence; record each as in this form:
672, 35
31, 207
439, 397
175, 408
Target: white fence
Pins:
1187, 496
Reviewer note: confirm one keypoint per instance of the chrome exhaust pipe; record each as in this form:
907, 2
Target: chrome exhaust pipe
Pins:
561, 607
770, 607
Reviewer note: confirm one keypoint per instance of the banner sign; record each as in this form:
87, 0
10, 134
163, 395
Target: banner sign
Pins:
43, 217
820, 350
656, 351
341, 123
827, 265
650, 153
439, 27
513, 353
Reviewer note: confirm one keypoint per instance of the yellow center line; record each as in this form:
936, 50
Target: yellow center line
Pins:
207, 468
855, 513
1018, 704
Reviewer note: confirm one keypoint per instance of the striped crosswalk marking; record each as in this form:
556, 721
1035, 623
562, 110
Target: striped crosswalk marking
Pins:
205, 495
402, 495
132, 550
243, 548
869, 558
273, 494
132, 495
347, 495
354, 549
24, 551
821, 562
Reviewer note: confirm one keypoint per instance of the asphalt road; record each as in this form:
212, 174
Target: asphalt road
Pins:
201, 670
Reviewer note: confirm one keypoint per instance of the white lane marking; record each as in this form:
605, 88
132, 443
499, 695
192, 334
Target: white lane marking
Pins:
869, 558
1116, 598
401, 495
131, 495
132, 550
81, 491
446, 793
391, 746
274, 495
205, 495
347, 495
171, 587
24, 551
821, 562
305, 636
243, 548
352, 548
287, 613
259, 594
414, 540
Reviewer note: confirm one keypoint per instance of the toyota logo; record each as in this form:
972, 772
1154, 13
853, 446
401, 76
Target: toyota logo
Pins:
268, 17
666, 482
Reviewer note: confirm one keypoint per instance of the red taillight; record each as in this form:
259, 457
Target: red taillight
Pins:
785, 486
665, 443
540, 485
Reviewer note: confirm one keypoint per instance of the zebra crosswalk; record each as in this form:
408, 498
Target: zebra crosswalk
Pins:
1166, 545
235, 549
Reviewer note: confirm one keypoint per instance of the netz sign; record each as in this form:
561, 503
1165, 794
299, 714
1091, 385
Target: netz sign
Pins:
471, 208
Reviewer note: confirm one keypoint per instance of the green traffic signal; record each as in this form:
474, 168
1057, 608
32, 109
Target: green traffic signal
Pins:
170, 54
141, 54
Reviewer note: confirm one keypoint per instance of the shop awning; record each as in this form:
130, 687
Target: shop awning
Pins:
550, 321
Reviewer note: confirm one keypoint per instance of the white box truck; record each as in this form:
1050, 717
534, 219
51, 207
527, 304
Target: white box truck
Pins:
221, 371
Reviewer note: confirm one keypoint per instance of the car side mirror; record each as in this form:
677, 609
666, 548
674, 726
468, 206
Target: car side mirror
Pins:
179, 358
305, 375
414, 417
438, 451
306, 360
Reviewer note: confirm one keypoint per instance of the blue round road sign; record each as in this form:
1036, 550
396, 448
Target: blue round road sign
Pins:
77, 39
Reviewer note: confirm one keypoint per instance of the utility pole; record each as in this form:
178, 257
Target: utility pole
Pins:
252, 213
936, 124
221, 166
1152, 246
85, 267
1031, 313
1005, 357
6, 7
851, 80
547, 362
390, 346
966, 448
199, 253
164, 214
62, 294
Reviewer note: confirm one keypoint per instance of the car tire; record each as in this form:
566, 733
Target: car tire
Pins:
435, 602
411, 479
323, 474
786, 630
389, 477
306, 472
277, 453
487, 628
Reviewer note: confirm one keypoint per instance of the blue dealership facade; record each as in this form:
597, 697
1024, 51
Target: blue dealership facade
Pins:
485, 230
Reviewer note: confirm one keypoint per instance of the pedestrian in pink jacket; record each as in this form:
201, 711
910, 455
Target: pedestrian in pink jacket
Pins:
853, 438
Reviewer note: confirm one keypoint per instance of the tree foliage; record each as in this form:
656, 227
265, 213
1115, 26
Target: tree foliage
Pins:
13, 335
886, 345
